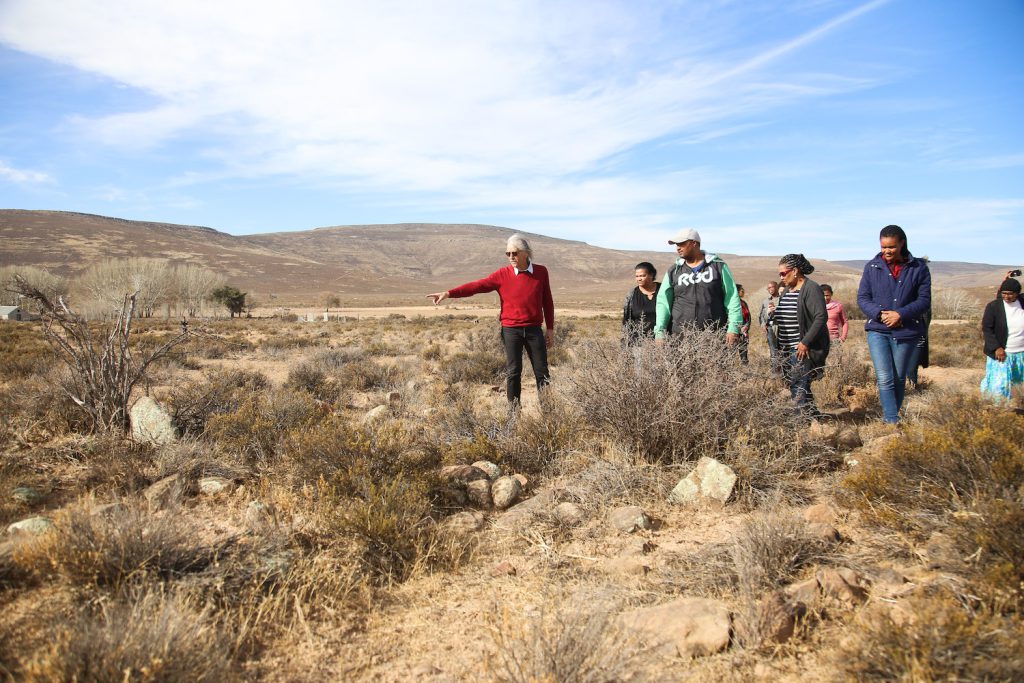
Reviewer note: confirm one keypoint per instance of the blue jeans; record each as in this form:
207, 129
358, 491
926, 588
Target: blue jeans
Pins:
798, 374
893, 358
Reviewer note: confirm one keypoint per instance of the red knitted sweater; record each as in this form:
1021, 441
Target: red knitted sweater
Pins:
525, 298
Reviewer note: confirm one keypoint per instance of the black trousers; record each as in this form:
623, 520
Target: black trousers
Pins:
515, 340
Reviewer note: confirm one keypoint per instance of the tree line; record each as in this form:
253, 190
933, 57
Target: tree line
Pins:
181, 289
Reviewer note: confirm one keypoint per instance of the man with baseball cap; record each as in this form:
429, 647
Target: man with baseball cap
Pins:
698, 292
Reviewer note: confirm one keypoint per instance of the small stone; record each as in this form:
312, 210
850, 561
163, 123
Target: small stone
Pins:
394, 399
360, 401
465, 522
32, 526
376, 414
805, 592
685, 627
212, 486
710, 481
835, 586
504, 492
151, 423
493, 471
821, 513
479, 492
524, 483
823, 432
166, 490
258, 514
505, 568
26, 495
629, 518
569, 514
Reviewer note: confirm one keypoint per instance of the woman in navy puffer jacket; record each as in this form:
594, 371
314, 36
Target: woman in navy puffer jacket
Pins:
895, 294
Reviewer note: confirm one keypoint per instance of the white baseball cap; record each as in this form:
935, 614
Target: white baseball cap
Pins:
685, 235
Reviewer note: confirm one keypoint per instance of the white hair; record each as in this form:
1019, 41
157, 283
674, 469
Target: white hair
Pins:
518, 243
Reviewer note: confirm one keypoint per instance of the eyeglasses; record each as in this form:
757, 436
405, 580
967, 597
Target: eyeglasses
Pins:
510, 254
784, 273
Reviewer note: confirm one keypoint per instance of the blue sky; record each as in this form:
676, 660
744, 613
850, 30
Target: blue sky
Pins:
772, 127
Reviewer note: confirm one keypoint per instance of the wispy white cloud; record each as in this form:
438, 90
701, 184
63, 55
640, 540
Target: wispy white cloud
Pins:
451, 96
23, 176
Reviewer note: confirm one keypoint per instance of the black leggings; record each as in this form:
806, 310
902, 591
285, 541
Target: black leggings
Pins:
515, 340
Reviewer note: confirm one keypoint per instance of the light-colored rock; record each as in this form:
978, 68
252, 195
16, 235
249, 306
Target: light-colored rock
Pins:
687, 627
465, 522
462, 473
25, 495
525, 513
479, 492
568, 513
822, 513
629, 518
493, 470
212, 486
504, 492
376, 415
32, 526
710, 481
835, 586
165, 491
524, 483
259, 515
151, 423
825, 432
825, 532
806, 592
360, 400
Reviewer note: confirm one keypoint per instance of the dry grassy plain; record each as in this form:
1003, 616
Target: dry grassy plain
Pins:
337, 551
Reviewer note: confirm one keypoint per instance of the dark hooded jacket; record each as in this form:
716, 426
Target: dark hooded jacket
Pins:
910, 295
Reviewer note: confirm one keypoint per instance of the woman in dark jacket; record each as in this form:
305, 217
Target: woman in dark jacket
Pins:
638, 311
895, 294
1003, 327
801, 322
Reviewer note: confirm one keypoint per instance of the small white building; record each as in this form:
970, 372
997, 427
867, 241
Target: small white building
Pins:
15, 313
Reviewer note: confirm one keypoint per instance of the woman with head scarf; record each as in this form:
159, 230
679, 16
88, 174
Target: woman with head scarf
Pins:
895, 294
801, 321
1003, 327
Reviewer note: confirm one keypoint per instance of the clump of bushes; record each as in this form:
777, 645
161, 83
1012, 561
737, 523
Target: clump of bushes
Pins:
960, 471
256, 428
192, 404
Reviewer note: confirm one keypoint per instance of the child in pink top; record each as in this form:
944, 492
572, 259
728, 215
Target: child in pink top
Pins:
838, 323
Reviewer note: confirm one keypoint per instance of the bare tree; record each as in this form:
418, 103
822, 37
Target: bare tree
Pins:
149, 280
194, 286
103, 369
43, 280
954, 304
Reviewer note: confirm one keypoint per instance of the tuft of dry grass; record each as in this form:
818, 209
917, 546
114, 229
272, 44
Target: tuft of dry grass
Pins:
943, 641
149, 636
579, 643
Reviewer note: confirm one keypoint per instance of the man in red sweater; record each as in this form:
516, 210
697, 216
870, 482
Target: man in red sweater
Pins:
526, 302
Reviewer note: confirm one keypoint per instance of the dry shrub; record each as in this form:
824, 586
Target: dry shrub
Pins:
192, 404
319, 375
344, 455
192, 459
774, 461
365, 375
115, 548
256, 428
942, 641
956, 346
23, 352
961, 470
848, 366
151, 636
769, 551
37, 407
110, 463
602, 483
580, 643
674, 401
481, 367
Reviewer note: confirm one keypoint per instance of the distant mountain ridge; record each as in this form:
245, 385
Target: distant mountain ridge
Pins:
365, 264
